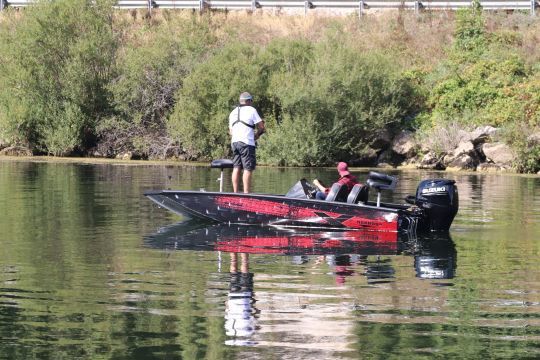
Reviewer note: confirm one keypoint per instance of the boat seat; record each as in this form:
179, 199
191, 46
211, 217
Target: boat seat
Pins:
380, 181
221, 164
338, 192
358, 193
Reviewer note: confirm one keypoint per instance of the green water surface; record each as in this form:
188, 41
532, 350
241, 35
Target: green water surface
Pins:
81, 278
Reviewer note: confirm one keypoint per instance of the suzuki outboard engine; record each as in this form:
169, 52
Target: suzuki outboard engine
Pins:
439, 200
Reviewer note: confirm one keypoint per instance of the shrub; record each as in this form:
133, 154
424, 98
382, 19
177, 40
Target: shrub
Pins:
321, 102
478, 88
200, 118
470, 35
57, 58
527, 150
482, 81
344, 97
152, 67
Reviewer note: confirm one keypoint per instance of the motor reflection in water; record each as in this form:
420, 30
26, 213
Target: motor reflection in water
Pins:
345, 252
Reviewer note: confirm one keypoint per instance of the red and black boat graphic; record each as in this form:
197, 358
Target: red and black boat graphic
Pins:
258, 209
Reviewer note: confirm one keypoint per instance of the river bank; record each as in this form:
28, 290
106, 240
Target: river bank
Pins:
411, 165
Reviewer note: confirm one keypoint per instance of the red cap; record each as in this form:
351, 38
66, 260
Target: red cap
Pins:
343, 168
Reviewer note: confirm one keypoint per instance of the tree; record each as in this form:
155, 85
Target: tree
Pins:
58, 58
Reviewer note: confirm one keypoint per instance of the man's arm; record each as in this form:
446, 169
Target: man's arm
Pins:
320, 186
260, 129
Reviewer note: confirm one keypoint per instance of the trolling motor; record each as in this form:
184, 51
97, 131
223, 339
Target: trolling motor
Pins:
221, 164
439, 200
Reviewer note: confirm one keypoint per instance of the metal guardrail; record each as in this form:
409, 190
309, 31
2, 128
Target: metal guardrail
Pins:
361, 5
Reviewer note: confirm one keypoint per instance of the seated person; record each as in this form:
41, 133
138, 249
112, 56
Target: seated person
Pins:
345, 178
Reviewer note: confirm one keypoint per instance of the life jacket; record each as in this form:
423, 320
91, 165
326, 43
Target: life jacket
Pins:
240, 121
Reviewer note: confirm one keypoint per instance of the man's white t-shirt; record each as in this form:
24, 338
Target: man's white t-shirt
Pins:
241, 132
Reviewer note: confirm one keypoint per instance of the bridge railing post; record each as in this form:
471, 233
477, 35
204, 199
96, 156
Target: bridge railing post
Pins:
417, 7
2, 5
361, 8
533, 7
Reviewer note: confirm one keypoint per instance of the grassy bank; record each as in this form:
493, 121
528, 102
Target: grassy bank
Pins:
88, 80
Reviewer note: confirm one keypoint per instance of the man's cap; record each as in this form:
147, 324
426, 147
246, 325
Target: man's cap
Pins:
245, 96
343, 168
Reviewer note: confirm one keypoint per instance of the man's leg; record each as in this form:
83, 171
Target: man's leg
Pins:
320, 195
247, 181
244, 268
234, 263
236, 179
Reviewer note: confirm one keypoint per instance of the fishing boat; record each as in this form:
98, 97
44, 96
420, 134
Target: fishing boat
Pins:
431, 209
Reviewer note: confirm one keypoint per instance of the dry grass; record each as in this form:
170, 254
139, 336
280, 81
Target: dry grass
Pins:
442, 139
421, 40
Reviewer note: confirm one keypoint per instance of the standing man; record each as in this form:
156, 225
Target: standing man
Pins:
243, 121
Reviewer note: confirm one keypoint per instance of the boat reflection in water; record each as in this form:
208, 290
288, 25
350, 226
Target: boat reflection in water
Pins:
347, 253
272, 240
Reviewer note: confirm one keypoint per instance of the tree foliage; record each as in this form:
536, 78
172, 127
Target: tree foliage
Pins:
320, 101
151, 69
58, 59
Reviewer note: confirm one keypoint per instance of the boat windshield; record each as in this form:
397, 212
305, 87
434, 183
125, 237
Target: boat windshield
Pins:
302, 190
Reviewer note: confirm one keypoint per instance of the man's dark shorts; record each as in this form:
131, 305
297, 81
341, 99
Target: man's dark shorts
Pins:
243, 156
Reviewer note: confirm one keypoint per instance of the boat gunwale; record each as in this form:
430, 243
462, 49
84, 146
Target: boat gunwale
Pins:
395, 208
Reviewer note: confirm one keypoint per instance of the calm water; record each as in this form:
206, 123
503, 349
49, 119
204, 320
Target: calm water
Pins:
90, 269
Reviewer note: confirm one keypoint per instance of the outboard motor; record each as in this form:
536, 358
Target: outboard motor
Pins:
439, 200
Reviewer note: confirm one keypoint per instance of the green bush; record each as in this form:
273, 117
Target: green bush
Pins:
527, 150
344, 97
484, 82
321, 102
200, 118
470, 35
482, 88
152, 67
58, 58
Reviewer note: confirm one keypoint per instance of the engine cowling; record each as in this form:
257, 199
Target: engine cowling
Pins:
439, 200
